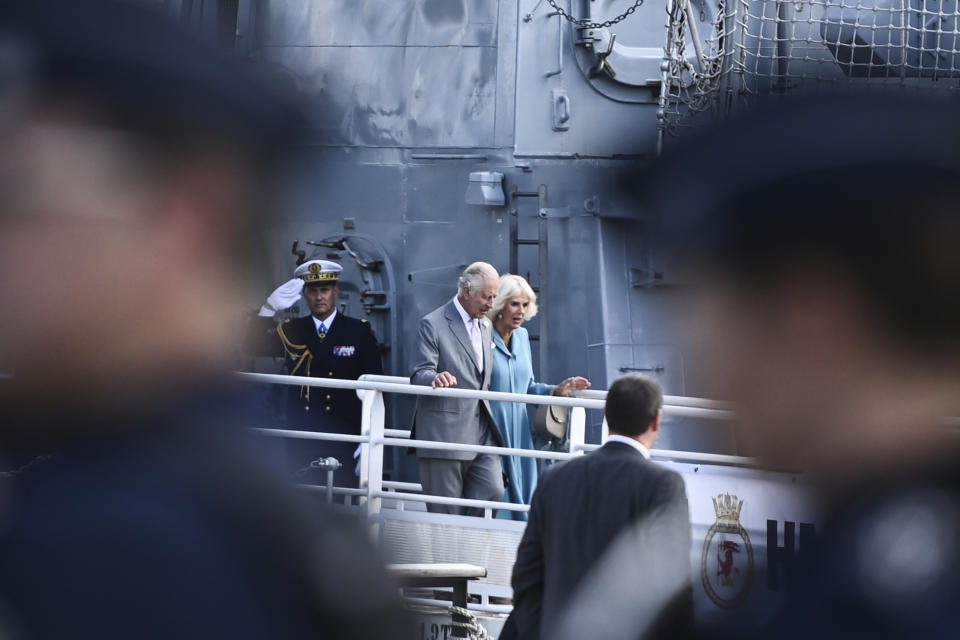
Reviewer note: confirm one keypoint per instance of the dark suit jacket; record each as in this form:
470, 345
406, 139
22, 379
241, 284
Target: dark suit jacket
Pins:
578, 510
166, 525
348, 351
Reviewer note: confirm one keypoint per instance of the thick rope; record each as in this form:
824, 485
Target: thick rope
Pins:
475, 630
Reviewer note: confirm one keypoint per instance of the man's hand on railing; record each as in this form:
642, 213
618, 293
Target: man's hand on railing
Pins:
444, 379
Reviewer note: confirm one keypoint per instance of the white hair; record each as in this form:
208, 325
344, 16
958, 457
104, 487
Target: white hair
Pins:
510, 286
473, 277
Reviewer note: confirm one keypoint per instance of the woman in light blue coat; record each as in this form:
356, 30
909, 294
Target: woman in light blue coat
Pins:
513, 372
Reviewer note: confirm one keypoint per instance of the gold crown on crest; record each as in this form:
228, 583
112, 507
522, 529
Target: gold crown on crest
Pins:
727, 508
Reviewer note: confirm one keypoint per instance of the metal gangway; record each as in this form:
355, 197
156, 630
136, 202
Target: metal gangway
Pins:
396, 513
375, 436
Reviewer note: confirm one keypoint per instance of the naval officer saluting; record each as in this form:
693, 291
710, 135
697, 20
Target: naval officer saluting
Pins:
324, 344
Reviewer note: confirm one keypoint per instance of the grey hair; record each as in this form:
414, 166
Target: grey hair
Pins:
512, 285
473, 277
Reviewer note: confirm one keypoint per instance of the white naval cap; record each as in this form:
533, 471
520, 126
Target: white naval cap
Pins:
318, 272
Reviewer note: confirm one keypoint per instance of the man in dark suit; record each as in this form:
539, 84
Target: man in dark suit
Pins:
454, 349
323, 344
598, 520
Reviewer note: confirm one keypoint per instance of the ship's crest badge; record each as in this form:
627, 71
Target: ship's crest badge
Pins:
726, 564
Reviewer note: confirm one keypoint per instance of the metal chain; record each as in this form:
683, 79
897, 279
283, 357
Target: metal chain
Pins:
12, 473
586, 24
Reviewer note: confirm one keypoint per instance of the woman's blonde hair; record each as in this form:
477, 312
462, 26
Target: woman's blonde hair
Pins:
510, 286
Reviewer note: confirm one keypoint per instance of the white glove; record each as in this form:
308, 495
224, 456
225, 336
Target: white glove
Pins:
283, 297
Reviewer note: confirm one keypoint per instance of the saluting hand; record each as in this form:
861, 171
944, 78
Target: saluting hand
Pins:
444, 379
283, 297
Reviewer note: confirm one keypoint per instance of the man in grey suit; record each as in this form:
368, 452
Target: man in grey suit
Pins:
454, 349
606, 552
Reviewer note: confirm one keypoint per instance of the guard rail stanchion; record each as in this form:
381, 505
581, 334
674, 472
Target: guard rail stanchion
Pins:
578, 430
373, 412
366, 409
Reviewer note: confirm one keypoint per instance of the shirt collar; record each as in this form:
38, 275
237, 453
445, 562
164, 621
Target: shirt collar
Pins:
463, 312
327, 323
613, 437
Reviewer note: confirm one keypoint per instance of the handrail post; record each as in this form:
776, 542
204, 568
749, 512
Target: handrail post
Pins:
371, 464
366, 408
578, 430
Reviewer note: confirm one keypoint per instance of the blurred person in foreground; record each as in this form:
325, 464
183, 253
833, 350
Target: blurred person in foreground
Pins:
825, 274
513, 373
606, 552
133, 157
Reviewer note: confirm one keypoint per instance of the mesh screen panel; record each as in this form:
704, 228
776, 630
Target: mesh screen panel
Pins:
762, 47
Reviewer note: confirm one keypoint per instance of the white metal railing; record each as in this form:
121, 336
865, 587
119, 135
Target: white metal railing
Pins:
374, 436
672, 405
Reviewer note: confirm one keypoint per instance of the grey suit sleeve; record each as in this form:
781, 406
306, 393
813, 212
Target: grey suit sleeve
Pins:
427, 355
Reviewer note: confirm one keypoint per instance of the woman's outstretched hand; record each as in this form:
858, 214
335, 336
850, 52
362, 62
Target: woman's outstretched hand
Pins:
570, 385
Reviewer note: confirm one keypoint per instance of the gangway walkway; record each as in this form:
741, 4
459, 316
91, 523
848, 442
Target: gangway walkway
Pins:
770, 505
374, 436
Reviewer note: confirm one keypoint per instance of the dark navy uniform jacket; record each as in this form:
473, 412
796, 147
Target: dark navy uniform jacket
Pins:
167, 524
348, 351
